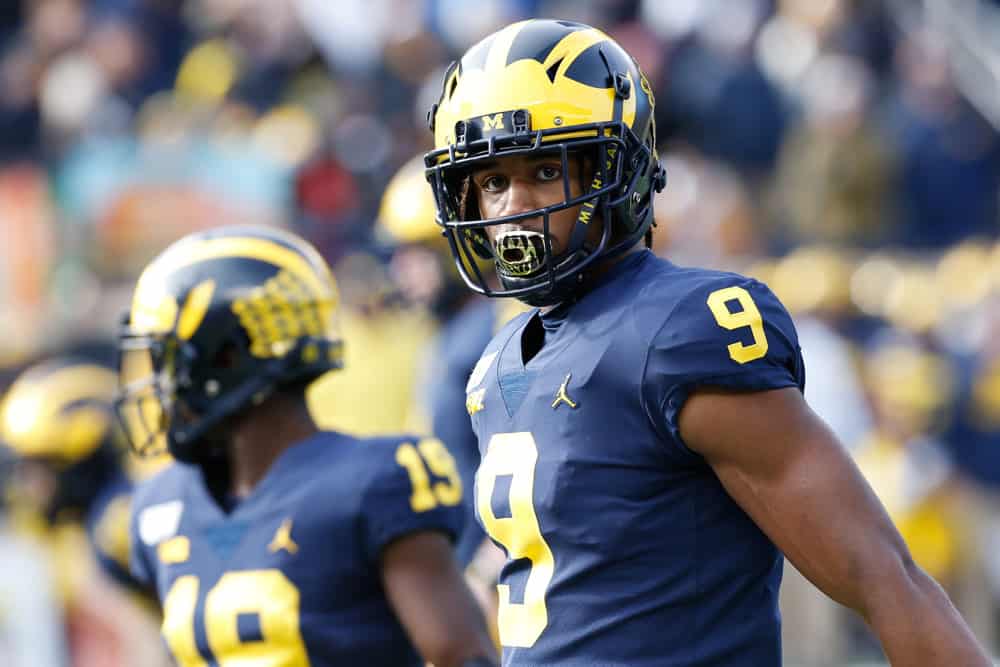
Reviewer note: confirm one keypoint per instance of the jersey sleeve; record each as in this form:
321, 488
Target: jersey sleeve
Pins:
728, 331
416, 487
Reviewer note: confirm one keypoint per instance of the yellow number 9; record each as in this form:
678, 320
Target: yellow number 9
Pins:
439, 460
275, 600
515, 454
441, 463
749, 316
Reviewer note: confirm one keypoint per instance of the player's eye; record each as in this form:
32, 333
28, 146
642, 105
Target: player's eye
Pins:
548, 172
492, 183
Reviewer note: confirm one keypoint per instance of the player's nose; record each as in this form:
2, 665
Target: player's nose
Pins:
521, 197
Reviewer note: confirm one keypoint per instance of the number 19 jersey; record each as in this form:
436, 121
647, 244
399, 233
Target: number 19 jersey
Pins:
291, 577
623, 547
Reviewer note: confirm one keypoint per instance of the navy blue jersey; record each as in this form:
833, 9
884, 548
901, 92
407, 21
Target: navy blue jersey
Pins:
291, 576
623, 547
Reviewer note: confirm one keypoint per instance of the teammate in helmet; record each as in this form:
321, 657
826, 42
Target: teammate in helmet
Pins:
421, 263
69, 489
272, 540
647, 453
57, 420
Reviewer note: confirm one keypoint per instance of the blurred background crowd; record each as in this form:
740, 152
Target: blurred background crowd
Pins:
843, 151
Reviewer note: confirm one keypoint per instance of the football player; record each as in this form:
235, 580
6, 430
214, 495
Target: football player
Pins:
647, 453
271, 541
69, 489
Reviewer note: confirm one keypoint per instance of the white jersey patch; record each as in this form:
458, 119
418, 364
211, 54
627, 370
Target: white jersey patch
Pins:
158, 522
479, 372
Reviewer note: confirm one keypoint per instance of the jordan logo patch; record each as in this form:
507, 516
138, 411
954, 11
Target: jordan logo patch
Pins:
283, 539
562, 396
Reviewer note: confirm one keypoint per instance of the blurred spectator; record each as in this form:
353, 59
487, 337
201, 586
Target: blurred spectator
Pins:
20, 117
27, 254
327, 204
713, 92
950, 157
973, 438
974, 435
912, 393
835, 175
706, 217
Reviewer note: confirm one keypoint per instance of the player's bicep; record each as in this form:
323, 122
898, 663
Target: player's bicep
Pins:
425, 587
784, 467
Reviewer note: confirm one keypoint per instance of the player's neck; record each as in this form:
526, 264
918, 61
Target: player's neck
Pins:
259, 437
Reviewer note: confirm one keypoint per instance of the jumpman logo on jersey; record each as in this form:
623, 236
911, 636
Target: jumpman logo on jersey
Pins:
562, 396
283, 539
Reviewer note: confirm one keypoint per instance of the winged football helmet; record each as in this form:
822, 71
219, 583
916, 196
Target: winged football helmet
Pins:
545, 87
218, 321
58, 414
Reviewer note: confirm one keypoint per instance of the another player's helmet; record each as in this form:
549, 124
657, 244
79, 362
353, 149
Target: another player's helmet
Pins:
219, 320
545, 87
406, 213
421, 266
58, 414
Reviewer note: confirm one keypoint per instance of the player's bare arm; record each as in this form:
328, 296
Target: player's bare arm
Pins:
781, 464
425, 587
